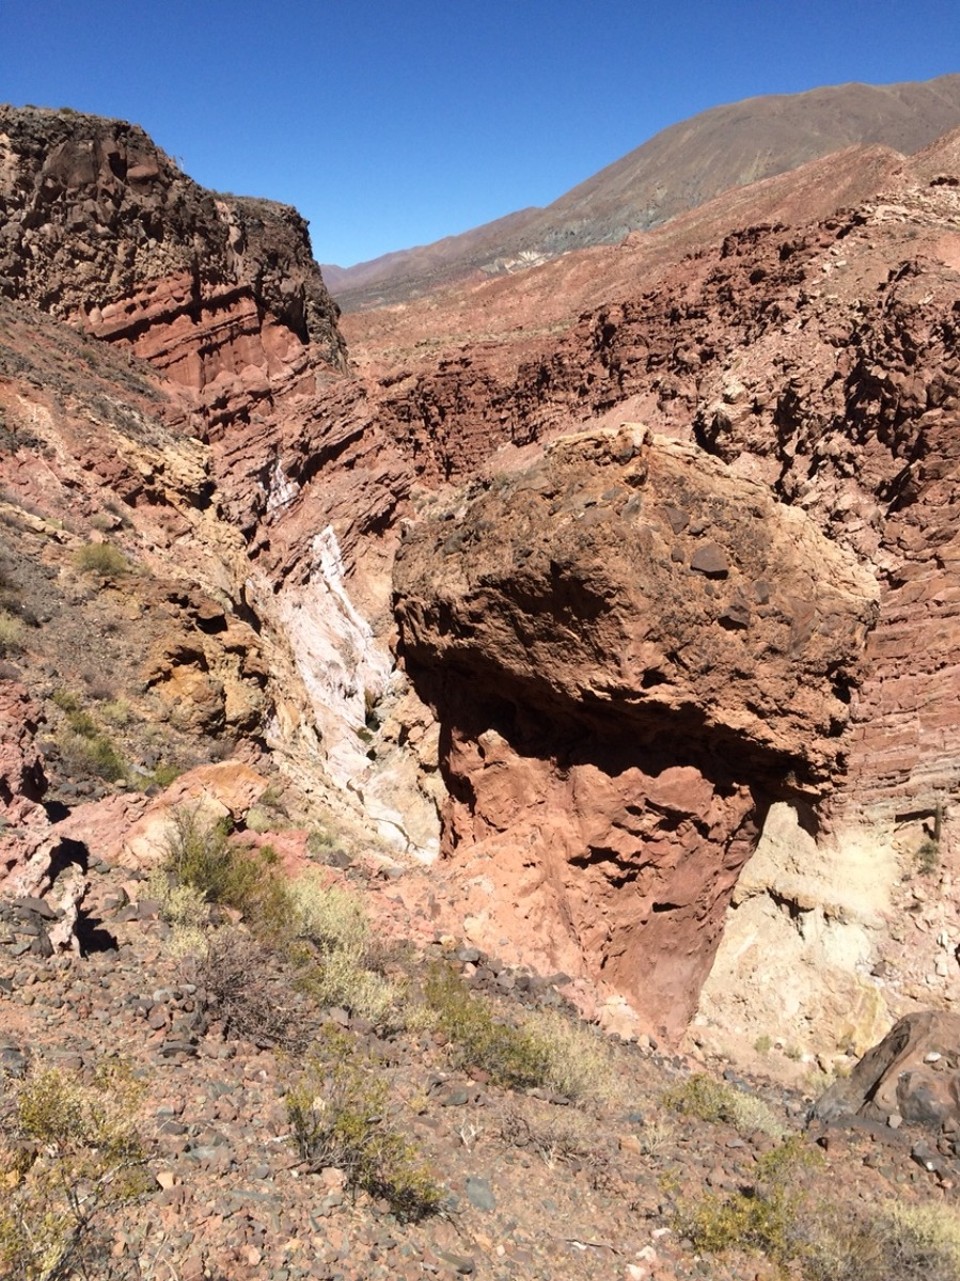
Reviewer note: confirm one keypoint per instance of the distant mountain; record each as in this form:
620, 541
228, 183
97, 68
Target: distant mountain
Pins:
680, 168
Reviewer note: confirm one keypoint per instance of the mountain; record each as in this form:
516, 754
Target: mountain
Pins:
682, 167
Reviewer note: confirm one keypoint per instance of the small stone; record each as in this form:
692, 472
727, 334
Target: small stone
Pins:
461, 1264
480, 1194
711, 560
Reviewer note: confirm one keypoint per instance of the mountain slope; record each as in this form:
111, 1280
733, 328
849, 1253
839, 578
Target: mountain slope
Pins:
679, 169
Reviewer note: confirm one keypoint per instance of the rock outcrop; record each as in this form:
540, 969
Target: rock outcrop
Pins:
912, 1077
707, 661
100, 228
631, 651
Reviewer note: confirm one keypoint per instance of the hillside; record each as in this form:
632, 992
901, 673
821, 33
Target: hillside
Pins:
681, 168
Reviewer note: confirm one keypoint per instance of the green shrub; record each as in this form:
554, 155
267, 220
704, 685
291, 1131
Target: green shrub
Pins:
706, 1099
200, 854
82, 723
102, 559
66, 700
92, 755
769, 1218
548, 1051
337, 1115
70, 1155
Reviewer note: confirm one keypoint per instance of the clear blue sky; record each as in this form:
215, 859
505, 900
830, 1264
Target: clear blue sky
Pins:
390, 124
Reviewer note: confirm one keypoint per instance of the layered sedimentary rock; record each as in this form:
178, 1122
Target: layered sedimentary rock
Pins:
631, 652
102, 229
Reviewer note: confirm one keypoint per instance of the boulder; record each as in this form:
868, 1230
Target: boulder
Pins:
631, 651
912, 1076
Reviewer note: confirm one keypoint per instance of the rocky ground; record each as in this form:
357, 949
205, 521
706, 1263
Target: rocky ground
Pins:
532, 1186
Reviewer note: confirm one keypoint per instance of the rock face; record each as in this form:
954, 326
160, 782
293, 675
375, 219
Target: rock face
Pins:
23, 822
631, 652
102, 229
640, 656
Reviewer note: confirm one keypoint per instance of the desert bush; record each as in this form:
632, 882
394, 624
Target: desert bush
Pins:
330, 916
84, 754
82, 723
248, 986
768, 1218
337, 1116
579, 1061
338, 969
102, 559
706, 1099
927, 857
199, 853
66, 700
908, 1242
70, 1155
511, 1057
548, 1051
11, 633
185, 909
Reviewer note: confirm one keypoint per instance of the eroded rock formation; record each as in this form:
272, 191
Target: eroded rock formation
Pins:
102, 229
631, 652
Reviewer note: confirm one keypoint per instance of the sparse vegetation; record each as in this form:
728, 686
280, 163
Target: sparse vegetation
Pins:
339, 969
780, 1217
548, 1051
706, 1099
337, 1112
103, 560
70, 1154
908, 1242
766, 1218
12, 633
249, 987
200, 854
90, 755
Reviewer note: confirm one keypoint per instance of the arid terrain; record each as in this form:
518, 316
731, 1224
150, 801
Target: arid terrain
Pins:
475, 770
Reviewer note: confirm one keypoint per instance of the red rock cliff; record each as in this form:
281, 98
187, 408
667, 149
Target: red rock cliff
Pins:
631, 652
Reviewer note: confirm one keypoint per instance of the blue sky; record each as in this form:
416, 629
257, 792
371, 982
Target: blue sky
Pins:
390, 124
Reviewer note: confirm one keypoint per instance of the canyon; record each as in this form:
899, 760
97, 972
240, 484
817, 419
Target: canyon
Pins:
614, 598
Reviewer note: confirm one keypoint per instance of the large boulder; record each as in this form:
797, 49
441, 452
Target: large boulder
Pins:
631, 651
912, 1076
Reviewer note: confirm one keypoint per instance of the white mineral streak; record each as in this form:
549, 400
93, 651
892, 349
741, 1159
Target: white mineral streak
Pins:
282, 491
345, 670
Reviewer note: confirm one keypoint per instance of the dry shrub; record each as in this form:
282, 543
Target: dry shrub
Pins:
337, 1114
579, 1060
338, 964
906, 1242
548, 1051
12, 632
101, 559
70, 1156
250, 990
706, 1099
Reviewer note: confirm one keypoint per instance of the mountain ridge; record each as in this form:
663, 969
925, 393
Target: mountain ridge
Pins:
679, 168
